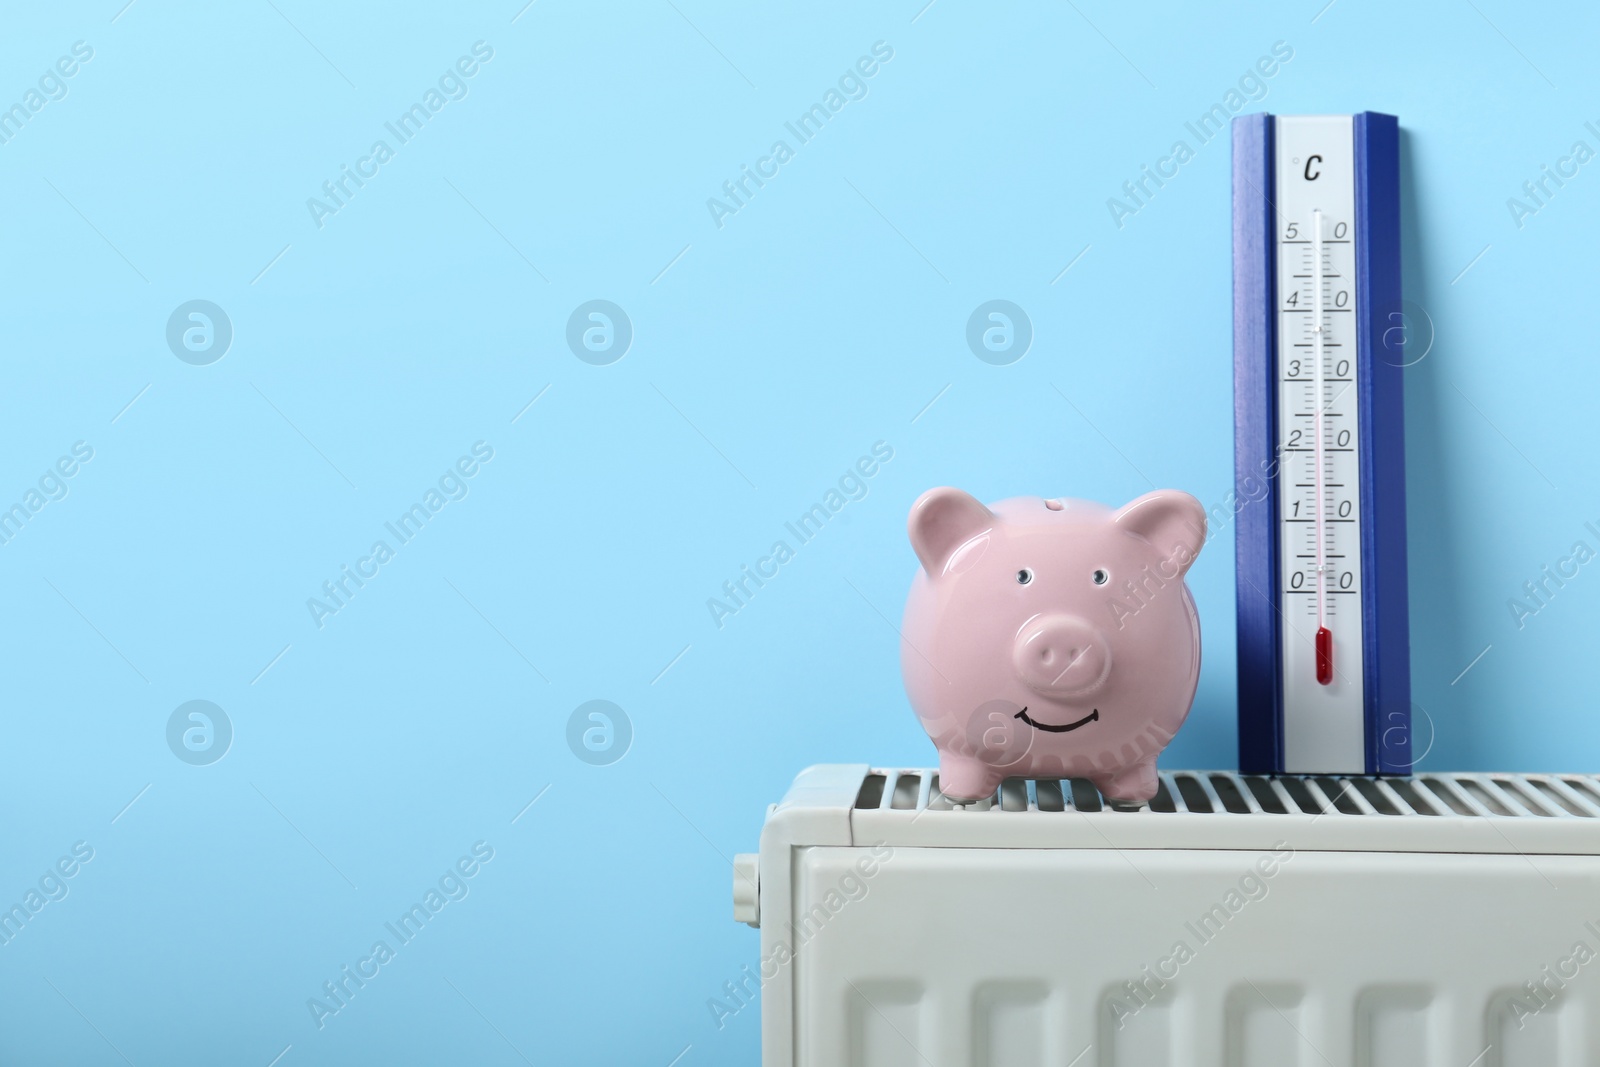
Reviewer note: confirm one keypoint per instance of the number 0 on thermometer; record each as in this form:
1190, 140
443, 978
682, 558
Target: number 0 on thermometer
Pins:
1324, 652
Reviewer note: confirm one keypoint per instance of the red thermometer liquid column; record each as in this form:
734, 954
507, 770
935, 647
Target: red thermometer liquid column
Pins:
1319, 436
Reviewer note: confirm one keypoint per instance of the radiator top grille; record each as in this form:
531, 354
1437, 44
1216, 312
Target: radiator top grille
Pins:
1513, 796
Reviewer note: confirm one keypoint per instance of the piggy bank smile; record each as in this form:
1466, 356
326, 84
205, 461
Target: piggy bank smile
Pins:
1093, 716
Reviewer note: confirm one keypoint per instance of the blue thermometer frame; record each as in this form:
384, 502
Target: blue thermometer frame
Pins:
1379, 407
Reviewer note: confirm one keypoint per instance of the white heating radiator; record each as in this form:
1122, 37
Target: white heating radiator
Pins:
1439, 921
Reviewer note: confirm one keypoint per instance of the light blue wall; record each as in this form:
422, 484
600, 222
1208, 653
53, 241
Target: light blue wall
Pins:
425, 314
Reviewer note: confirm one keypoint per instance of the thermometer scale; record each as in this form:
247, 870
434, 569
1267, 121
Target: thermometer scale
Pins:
1323, 648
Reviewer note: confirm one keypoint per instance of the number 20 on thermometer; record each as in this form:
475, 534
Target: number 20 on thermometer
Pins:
1319, 446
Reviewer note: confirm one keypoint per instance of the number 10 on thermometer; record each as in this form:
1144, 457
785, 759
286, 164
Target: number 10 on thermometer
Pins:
1319, 446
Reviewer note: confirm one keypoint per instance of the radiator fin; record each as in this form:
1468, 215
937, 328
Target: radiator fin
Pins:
871, 793
1587, 787
1264, 1028
1392, 1027
1140, 1039
1525, 1031
885, 1023
1009, 1024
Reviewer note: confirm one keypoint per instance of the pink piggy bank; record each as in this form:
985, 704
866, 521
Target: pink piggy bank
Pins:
1052, 638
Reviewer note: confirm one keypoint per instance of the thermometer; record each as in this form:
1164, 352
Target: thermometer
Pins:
1319, 446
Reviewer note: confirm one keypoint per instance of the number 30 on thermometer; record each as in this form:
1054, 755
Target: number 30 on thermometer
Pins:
1324, 653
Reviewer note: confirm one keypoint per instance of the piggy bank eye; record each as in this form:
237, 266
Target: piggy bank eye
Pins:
1024, 576
1101, 576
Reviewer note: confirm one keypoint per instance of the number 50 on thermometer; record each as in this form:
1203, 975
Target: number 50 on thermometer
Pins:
1323, 644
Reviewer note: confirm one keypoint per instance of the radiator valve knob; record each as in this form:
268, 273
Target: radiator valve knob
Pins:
747, 889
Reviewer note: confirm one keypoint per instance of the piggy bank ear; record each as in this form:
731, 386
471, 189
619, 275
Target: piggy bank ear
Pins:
1172, 521
942, 520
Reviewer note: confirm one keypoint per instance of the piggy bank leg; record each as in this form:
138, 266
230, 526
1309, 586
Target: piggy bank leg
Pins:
1131, 785
964, 779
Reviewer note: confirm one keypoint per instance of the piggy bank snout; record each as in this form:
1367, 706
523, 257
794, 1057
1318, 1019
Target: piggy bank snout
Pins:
1060, 655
